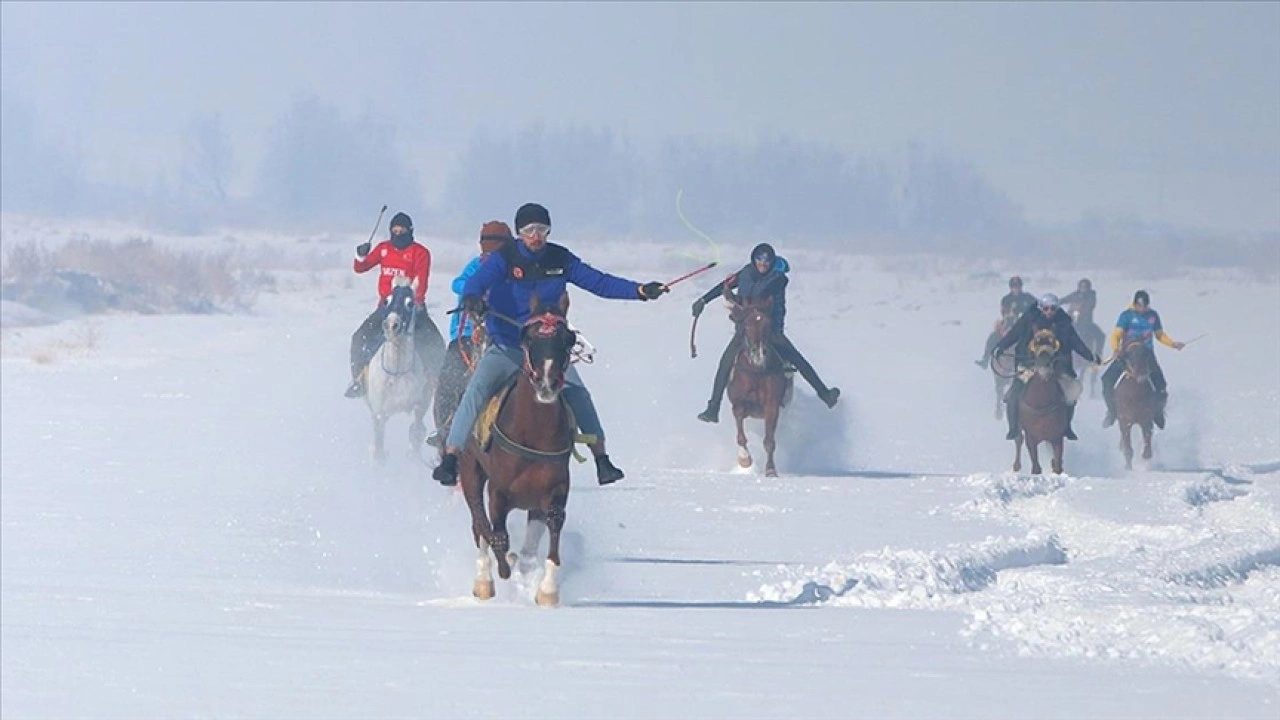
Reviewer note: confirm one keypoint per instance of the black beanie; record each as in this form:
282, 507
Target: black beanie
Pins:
402, 220
531, 213
764, 249
1141, 297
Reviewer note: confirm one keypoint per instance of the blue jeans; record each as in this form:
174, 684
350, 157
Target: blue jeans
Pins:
493, 371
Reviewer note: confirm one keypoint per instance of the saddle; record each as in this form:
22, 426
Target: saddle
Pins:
487, 422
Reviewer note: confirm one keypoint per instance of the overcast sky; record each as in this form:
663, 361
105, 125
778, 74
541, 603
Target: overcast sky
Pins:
1167, 111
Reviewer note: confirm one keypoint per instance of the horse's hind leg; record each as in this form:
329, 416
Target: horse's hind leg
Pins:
417, 431
527, 559
1017, 454
744, 455
1126, 444
499, 540
549, 589
1146, 441
1058, 449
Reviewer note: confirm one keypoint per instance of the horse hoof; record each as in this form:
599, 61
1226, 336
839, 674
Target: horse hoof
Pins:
547, 599
1146, 454
483, 589
771, 472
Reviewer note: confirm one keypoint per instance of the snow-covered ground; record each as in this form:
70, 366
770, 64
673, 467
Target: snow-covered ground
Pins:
192, 528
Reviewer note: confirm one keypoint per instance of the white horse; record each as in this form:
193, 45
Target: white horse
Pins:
396, 379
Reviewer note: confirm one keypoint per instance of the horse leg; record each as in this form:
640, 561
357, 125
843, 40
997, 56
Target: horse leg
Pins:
770, 442
1057, 455
472, 482
417, 430
1017, 454
1033, 451
744, 455
1146, 440
549, 589
1126, 444
498, 539
999, 401
379, 430
525, 561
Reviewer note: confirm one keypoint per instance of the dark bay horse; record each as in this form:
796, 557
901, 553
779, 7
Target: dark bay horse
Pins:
1043, 408
759, 383
1136, 399
525, 465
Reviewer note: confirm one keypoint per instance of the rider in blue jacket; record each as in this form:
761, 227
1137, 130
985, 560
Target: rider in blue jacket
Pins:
765, 276
512, 276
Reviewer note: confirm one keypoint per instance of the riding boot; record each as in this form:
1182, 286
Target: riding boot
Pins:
446, 473
1071, 413
1161, 399
606, 472
712, 413
355, 389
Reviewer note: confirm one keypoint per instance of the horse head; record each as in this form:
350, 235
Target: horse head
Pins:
1138, 361
397, 314
755, 320
1043, 350
546, 340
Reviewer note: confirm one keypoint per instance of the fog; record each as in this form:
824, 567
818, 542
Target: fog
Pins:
990, 127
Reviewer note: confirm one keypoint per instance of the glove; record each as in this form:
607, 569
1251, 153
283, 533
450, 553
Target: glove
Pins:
652, 290
474, 304
698, 306
363, 249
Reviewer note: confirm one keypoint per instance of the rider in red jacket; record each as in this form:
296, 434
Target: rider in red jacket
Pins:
398, 256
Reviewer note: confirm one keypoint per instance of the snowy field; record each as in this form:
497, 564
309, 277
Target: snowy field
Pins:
192, 527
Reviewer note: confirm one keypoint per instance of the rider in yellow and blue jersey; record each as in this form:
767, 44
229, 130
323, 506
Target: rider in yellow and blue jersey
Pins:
1138, 323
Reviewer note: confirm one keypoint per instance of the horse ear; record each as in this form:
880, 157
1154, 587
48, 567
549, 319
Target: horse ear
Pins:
564, 304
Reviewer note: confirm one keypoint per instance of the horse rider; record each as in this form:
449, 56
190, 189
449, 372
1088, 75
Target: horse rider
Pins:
398, 256
1138, 323
1045, 315
1082, 302
458, 356
1013, 305
519, 271
763, 277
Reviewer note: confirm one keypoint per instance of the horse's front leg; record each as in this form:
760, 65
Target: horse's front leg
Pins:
999, 401
527, 559
1126, 443
417, 430
1033, 452
499, 540
376, 451
549, 589
770, 427
1058, 449
1017, 453
744, 455
472, 481
1146, 440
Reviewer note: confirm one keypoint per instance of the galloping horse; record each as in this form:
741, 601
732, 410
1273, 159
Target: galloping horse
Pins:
1136, 399
525, 462
1043, 407
396, 379
759, 384
1095, 340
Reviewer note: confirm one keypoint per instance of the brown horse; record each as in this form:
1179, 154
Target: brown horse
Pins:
1136, 399
525, 465
1042, 412
759, 383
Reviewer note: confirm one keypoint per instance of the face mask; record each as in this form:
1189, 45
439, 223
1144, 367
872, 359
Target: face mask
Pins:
402, 240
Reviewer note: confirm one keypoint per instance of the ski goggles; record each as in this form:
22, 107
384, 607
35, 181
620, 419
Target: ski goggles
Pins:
535, 229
